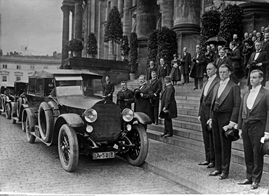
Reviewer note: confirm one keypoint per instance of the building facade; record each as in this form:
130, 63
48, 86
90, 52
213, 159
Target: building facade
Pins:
80, 17
18, 68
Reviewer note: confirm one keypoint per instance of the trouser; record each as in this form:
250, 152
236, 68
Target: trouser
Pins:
168, 126
200, 81
222, 144
207, 136
186, 78
155, 112
251, 135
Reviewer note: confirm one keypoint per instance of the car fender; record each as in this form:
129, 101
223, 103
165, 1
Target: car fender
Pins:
14, 106
72, 119
142, 118
30, 112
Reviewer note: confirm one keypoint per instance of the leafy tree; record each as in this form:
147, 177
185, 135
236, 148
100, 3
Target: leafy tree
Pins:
113, 30
75, 45
125, 47
133, 53
167, 44
92, 45
152, 46
210, 26
231, 22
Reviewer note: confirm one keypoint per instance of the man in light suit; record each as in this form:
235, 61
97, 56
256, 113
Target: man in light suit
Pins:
224, 116
204, 113
254, 121
168, 106
258, 60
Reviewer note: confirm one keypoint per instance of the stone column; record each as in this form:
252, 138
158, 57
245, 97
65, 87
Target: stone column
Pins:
146, 18
127, 18
65, 35
187, 23
167, 7
120, 6
78, 21
73, 23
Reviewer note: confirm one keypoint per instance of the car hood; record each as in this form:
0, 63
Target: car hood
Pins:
80, 102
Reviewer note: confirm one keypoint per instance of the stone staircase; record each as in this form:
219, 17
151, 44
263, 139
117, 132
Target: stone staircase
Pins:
187, 128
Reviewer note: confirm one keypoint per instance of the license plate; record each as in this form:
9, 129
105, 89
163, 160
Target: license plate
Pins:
103, 155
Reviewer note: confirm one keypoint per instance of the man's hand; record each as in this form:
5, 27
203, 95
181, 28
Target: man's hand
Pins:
209, 122
259, 64
199, 118
265, 137
229, 126
141, 94
197, 61
165, 110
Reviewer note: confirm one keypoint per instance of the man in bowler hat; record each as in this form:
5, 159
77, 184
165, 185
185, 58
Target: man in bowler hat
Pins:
254, 121
168, 107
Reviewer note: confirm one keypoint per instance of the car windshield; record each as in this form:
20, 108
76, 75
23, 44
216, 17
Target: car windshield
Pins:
92, 87
69, 87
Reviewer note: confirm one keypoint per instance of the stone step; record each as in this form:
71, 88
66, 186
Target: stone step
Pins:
197, 146
188, 97
188, 112
188, 106
185, 118
187, 102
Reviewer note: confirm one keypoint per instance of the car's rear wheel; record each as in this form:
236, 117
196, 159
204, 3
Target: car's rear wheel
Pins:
8, 111
68, 148
137, 155
45, 121
30, 127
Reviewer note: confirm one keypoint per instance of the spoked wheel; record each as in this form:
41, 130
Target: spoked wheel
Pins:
8, 111
30, 127
137, 155
68, 148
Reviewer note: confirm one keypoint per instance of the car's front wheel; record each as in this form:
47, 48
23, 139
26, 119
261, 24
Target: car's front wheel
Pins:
68, 148
8, 111
137, 155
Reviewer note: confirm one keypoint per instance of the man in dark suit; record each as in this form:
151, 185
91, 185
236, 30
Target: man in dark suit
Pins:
185, 65
152, 67
162, 71
197, 72
265, 47
142, 100
168, 107
235, 58
254, 121
224, 116
258, 60
156, 87
222, 59
204, 114
108, 89
125, 97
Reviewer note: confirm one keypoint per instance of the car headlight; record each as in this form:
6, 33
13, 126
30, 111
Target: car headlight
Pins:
90, 115
127, 115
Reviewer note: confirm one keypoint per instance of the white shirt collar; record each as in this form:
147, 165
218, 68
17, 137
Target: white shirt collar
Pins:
225, 81
257, 89
212, 77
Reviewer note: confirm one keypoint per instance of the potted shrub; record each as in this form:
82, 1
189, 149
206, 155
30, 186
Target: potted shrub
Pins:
75, 46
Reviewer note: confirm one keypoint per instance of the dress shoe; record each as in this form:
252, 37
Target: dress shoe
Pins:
195, 88
203, 163
163, 134
254, 185
210, 165
223, 176
215, 173
244, 182
168, 135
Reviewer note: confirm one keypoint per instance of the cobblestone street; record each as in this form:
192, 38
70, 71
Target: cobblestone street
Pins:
35, 168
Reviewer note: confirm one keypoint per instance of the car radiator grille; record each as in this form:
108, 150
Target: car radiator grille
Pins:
107, 127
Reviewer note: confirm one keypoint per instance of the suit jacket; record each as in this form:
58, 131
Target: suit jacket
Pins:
168, 101
218, 62
125, 99
143, 103
198, 69
156, 87
186, 63
262, 58
108, 88
149, 70
162, 71
235, 58
229, 100
265, 47
207, 100
259, 111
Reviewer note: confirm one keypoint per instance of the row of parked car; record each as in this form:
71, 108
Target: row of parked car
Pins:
66, 108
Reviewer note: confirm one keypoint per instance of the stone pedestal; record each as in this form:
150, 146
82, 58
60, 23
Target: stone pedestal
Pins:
187, 24
255, 15
65, 35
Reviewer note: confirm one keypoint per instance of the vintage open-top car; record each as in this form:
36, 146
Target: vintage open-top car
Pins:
59, 112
